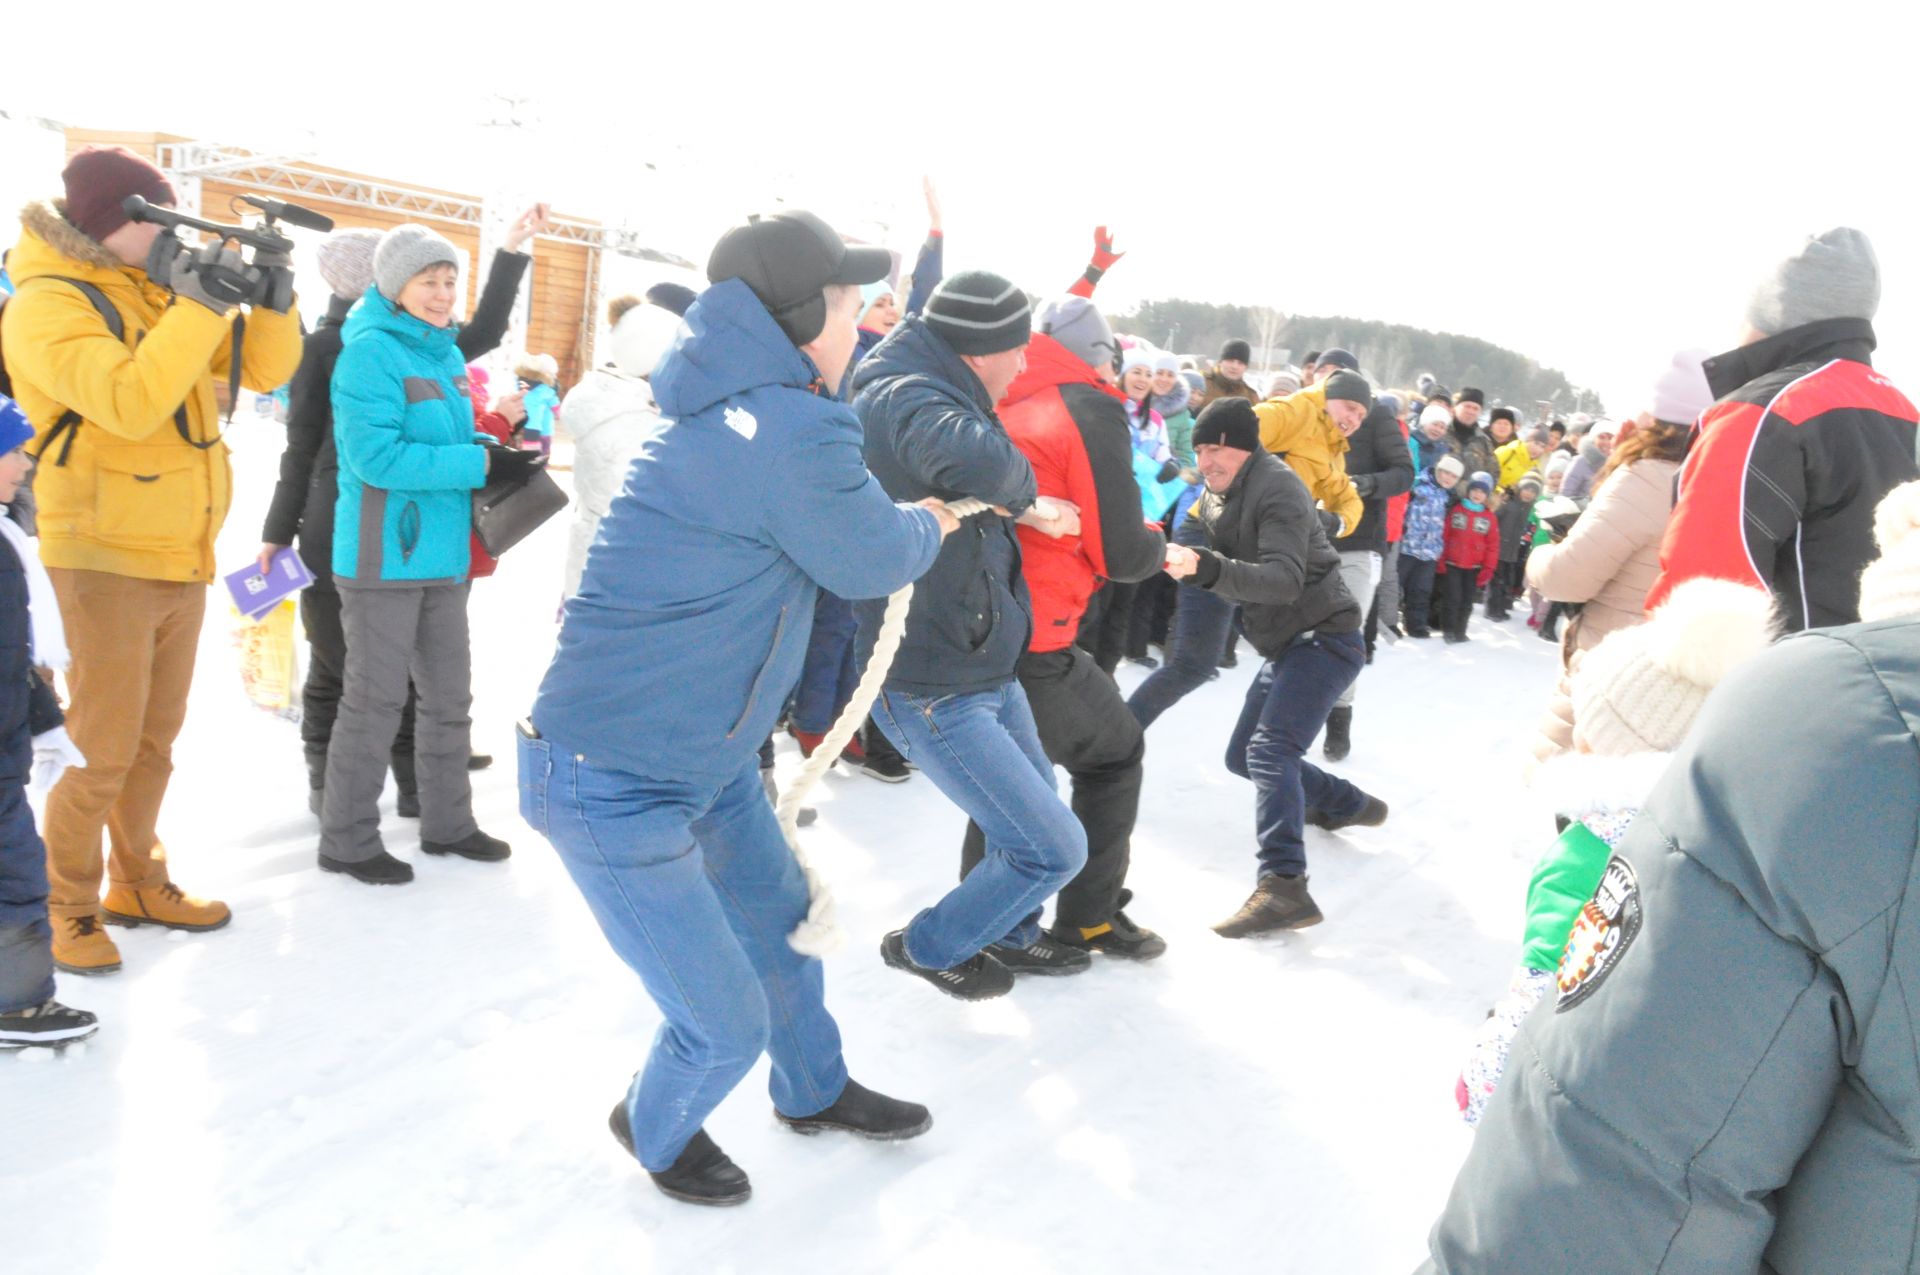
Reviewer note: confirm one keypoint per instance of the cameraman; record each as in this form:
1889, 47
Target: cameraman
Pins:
131, 494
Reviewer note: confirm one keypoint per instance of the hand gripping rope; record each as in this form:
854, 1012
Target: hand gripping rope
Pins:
820, 932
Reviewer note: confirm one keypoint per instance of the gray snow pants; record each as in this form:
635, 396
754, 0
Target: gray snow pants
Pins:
1360, 572
26, 965
391, 631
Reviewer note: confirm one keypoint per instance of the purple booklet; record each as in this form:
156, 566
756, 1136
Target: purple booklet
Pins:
256, 593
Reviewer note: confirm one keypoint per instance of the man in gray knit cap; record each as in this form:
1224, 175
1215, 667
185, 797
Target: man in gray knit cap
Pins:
1787, 466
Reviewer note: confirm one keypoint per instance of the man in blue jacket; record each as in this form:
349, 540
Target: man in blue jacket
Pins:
951, 703
640, 763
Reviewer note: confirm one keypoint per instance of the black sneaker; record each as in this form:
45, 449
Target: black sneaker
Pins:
1041, 957
888, 768
382, 869
702, 1175
476, 845
978, 978
1419, 631
1119, 938
1277, 903
864, 1113
479, 761
49, 1024
1371, 815
1144, 661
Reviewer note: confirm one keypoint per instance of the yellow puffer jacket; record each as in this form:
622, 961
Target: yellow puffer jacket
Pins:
1298, 430
1516, 462
134, 498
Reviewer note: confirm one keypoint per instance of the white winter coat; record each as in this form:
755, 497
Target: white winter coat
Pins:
610, 415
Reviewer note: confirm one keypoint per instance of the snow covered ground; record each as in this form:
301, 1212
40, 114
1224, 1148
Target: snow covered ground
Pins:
417, 1079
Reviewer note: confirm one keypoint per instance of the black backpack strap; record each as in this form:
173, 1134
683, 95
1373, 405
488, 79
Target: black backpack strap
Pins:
69, 422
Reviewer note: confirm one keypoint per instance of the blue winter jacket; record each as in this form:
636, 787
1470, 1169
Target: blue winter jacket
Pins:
540, 403
409, 459
692, 619
931, 431
1426, 530
27, 708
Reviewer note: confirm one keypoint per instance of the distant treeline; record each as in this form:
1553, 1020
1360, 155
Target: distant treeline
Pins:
1393, 354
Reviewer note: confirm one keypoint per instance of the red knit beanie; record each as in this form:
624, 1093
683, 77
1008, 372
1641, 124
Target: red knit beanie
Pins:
99, 177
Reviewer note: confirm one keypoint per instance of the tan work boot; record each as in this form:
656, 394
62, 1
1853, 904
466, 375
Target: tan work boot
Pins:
81, 946
165, 904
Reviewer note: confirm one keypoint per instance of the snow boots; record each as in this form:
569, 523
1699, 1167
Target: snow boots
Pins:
1371, 815
864, 1113
476, 845
1277, 903
1339, 740
48, 1023
980, 977
81, 946
1042, 957
702, 1175
165, 904
381, 869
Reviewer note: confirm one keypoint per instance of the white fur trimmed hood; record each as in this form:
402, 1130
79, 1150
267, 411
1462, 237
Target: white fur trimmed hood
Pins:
1579, 785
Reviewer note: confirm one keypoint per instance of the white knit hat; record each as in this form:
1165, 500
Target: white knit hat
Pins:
346, 261
1640, 689
642, 338
1891, 586
1435, 414
1681, 393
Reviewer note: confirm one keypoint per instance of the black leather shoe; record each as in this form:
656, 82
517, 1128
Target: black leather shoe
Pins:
702, 1175
476, 845
861, 1111
382, 869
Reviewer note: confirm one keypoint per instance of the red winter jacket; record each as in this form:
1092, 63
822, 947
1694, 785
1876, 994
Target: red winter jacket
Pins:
1473, 540
1072, 428
1397, 505
495, 424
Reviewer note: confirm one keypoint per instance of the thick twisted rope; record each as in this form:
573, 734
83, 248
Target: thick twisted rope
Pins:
820, 932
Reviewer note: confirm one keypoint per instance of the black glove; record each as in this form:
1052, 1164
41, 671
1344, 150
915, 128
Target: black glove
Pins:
1363, 485
1208, 569
510, 464
1330, 523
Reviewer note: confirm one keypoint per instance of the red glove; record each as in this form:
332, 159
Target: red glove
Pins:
1103, 254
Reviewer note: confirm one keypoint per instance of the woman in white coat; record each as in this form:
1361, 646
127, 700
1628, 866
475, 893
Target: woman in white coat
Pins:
610, 414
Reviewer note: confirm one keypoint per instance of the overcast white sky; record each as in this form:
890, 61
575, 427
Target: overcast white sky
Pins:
1593, 185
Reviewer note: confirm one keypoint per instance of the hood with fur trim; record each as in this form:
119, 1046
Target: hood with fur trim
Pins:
1586, 785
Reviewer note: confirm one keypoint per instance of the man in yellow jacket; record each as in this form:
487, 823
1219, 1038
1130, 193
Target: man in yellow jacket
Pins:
1309, 431
132, 487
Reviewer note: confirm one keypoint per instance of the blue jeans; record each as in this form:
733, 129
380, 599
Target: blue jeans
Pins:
983, 750
697, 891
1286, 706
828, 677
1201, 623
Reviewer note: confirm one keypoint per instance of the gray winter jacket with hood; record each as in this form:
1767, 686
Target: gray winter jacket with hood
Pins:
1731, 1080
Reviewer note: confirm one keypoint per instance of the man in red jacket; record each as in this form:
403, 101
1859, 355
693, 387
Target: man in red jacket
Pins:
1472, 553
1785, 470
1067, 419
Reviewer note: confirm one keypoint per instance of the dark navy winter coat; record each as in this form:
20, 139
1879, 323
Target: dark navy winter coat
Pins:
931, 431
27, 708
692, 619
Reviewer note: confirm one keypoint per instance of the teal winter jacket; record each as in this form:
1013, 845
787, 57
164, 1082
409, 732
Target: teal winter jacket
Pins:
409, 457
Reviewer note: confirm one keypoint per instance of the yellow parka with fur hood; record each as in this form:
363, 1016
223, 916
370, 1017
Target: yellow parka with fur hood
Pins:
134, 498
1298, 430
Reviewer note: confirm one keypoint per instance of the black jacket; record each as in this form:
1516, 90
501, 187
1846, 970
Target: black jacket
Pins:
1380, 467
1270, 553
27, 705
303, 499
931, 431
1475, 450
1785, 470
1511, 518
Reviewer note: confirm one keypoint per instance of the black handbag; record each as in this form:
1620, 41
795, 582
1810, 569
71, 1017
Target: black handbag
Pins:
509, 509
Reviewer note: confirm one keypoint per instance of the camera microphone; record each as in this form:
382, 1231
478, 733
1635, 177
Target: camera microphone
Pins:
138, 209
292, 214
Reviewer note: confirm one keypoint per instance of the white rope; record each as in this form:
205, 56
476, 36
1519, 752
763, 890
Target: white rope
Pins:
820, 932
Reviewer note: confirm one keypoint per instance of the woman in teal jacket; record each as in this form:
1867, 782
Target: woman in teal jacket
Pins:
409, 463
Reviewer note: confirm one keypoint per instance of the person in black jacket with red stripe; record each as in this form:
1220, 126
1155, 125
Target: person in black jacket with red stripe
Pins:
303, 499
1070, 423
1785, 470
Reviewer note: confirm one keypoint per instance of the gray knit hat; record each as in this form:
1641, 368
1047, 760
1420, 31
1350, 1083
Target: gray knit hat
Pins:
1075, 323
1833, 276
346, 261
978, 312
1350, 386
404, 252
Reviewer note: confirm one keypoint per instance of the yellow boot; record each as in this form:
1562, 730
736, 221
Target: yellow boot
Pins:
165, 904
81, 946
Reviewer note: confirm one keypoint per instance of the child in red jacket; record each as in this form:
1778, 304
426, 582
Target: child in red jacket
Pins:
1471, 556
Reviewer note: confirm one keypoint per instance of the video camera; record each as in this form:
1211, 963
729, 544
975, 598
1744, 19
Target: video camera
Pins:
219, 267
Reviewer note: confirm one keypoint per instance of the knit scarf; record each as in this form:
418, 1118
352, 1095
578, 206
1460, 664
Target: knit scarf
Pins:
43, 609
